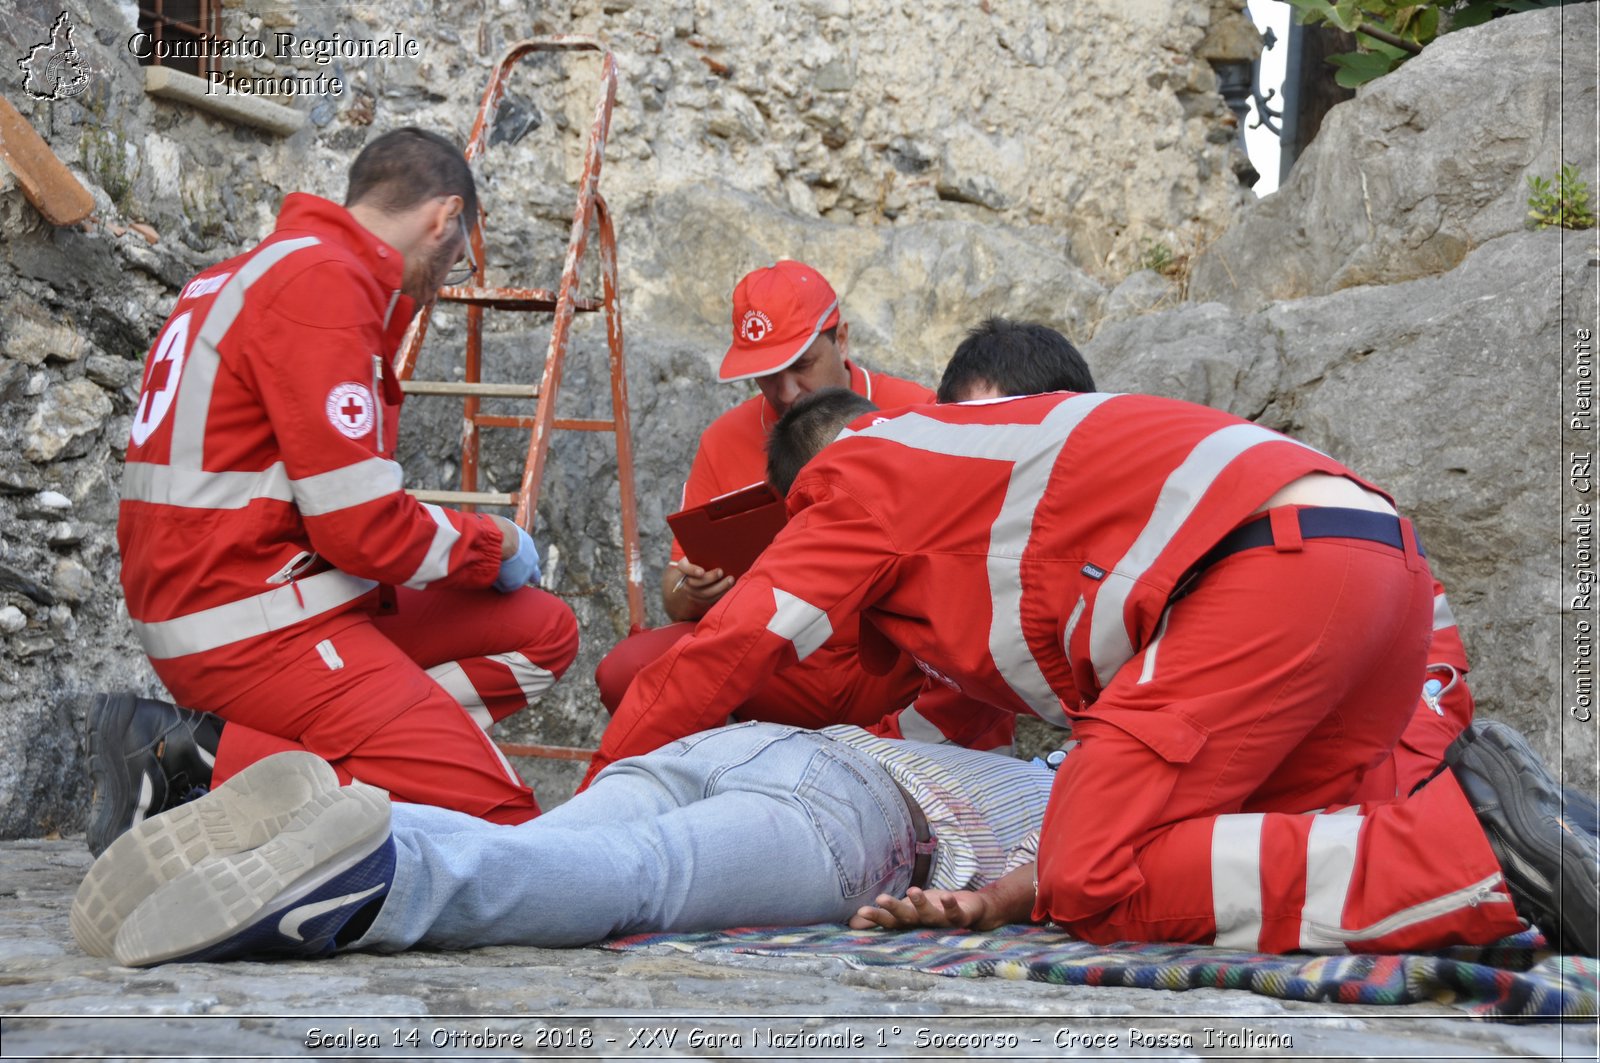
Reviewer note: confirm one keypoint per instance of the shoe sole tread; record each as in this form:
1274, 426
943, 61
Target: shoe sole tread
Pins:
217, 899
243, 813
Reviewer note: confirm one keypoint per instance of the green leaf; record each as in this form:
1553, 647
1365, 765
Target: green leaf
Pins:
1312, 11
1346, 15
1372, 44
1358, 68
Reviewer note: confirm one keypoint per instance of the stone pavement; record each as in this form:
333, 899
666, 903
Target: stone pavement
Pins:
56, 1002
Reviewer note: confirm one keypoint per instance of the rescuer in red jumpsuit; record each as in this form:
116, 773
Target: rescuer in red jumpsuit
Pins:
274, 570
1233, 624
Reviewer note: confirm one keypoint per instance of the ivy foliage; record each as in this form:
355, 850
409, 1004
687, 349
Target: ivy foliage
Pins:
1389, 33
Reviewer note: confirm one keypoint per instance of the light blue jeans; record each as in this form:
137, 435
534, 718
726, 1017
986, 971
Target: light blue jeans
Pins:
756, 824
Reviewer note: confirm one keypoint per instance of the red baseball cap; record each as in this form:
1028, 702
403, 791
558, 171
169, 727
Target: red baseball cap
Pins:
777, 313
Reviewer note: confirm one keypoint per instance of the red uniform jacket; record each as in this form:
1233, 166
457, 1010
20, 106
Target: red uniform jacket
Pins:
1021, 551
260, 490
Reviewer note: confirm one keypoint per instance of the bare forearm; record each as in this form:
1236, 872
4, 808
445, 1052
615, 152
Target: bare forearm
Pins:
1010, 899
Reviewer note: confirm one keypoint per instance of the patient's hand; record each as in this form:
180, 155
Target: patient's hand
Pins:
1008, 900
954, 908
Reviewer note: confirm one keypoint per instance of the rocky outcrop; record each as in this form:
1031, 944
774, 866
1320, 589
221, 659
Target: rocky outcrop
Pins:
1424, 165
1440, 390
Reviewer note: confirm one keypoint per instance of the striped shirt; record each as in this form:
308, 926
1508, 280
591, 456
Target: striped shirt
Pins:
984, 809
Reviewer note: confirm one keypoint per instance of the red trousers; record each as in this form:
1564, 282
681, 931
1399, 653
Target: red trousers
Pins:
828, 687
399, 700
1235, 783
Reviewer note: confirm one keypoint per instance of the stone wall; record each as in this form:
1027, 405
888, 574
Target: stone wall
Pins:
937, 160
1389, 306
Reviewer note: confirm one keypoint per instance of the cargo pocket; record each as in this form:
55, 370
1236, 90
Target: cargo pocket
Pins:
1127, 790
1112, 793
1174, 738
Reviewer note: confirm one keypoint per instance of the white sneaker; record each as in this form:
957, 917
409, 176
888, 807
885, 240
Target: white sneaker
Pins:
241, 814
289, 897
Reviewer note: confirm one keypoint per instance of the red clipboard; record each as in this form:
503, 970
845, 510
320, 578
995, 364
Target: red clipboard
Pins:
729, 531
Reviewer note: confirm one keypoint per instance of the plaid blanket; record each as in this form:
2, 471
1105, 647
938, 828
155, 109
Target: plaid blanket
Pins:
1517, 978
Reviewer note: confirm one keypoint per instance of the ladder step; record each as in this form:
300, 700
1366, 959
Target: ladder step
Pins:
462, 387
476, 498
534, 299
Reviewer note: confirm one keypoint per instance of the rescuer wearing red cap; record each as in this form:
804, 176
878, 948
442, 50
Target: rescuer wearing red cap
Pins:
789, 339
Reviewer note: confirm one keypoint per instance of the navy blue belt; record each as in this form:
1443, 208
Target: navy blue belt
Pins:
1316, 522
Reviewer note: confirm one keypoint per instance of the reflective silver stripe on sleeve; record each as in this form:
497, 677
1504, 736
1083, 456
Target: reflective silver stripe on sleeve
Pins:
1330, 866
1443, 617
1236, 880
997, 442
276, 609
353, 485
800, 622
200, 368
1008, 540
436, 564
917, 728
1032, 450
1110, 646
1072, 627
1148, 672
196, 489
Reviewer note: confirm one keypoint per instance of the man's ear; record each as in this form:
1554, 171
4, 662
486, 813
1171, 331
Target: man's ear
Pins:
841, 339
441, 216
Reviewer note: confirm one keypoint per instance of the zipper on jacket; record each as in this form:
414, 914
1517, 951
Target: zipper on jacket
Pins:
288, 573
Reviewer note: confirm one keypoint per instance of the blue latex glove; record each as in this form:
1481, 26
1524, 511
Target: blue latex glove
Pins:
521, 568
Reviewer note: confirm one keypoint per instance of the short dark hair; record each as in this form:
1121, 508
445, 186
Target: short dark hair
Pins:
1016, 358
406, 166
809, 425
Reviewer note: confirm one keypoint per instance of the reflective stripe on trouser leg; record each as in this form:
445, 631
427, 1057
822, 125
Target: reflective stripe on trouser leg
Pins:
493, 687
1391, 876
1236, 886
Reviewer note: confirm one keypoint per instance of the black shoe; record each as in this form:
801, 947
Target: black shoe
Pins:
1582, 810
1552, 867
144, 756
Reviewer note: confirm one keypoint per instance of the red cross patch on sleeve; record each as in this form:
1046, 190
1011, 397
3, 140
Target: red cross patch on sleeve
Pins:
350, 409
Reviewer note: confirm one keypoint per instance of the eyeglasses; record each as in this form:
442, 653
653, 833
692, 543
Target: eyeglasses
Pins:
469, 267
